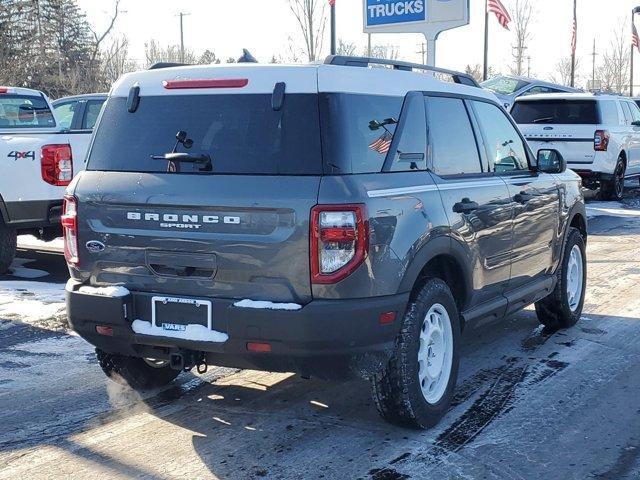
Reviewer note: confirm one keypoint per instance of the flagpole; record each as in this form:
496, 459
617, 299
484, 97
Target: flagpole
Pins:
485, 71
573, 50
333, 26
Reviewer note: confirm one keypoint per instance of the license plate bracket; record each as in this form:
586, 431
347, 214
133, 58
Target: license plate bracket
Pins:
173, 314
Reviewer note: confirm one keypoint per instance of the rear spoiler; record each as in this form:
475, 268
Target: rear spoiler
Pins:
365, 62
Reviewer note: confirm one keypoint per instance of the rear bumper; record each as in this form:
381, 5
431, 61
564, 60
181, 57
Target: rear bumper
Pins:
326, 338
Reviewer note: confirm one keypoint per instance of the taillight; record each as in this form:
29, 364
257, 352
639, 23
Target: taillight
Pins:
601, 141
57, 165
339, 241
70, 229
4, 89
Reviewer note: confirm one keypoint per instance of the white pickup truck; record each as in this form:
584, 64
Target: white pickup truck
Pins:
38, 159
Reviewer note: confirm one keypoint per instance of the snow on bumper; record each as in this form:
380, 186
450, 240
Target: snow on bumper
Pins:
194, 333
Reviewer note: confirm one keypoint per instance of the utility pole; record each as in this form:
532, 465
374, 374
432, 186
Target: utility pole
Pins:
529, 66
423, 52
369, 45
181, 15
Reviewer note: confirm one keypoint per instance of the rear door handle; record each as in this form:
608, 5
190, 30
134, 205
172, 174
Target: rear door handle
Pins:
465, 206
522, 197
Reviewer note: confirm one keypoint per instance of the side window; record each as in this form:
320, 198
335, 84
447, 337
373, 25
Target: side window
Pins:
91, 113
609, 112
411, 151
451, 154
64, 114
635, 112
627, 113
505, 149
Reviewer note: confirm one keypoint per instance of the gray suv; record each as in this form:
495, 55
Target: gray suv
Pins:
332, 220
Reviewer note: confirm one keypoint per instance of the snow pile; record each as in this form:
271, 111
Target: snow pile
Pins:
263, 305
31, 242
195, 333
31, 302
113, 292
610, 209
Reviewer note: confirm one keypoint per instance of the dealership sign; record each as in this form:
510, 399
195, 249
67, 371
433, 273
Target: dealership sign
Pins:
429, 17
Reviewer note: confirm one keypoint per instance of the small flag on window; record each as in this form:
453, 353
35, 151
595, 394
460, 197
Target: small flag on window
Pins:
502, 14
382, 144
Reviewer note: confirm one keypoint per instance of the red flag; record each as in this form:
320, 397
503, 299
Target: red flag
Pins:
635, 39
332, 3
502, 14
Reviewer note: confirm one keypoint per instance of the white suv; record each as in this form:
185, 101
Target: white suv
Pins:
598, 135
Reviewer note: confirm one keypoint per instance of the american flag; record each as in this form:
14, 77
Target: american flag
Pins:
332, 3
382, 144
574, 36
635, 39
502, 14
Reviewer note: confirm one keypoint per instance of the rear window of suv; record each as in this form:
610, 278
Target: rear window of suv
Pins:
559, 112
242, 134
25, 111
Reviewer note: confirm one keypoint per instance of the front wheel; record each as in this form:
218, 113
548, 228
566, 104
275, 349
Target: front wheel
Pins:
136, 373
614, 189
562, 309
416, 388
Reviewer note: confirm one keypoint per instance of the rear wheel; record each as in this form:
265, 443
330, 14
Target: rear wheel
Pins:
416, 388
614, 189
137, 373
8, 245
562, 309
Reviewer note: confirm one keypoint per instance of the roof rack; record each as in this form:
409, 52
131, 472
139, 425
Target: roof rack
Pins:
159, 65
458, 77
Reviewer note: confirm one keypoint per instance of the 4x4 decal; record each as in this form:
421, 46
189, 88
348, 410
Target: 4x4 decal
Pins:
17, 155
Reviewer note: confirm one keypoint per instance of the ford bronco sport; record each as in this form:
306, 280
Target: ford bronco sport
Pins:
333, 220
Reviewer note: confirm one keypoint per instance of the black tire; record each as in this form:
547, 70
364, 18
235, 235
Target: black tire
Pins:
8, 245
397, 391
614, 189
134, 372
555, 311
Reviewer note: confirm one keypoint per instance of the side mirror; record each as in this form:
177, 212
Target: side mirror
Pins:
551, 161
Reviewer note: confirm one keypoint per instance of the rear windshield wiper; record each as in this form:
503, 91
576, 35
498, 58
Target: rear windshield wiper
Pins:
174, 158
543, 120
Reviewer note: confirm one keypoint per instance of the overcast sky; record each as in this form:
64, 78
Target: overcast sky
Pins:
265, 26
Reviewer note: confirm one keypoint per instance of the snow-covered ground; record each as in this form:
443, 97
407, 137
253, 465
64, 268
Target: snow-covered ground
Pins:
31, 242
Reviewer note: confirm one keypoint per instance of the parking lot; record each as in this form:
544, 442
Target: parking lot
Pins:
529, 404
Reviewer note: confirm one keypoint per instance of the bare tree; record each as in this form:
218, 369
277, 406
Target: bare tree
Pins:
562, 71
154, 53
347, 49
476, 72
522, 13
311, 18
388, 52
614, 72
115, 61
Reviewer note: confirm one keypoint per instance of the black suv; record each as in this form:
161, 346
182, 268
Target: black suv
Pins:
332, 220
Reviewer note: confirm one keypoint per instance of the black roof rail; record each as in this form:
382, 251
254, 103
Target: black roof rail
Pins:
458, 77
159, 65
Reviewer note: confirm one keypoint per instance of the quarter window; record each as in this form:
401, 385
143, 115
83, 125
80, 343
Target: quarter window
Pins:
412, 144
627, 112
609, 112
505, 149
91, 114
452, 143
635, 112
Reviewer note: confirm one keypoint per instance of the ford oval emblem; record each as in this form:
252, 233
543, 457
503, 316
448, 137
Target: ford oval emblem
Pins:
94, 246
